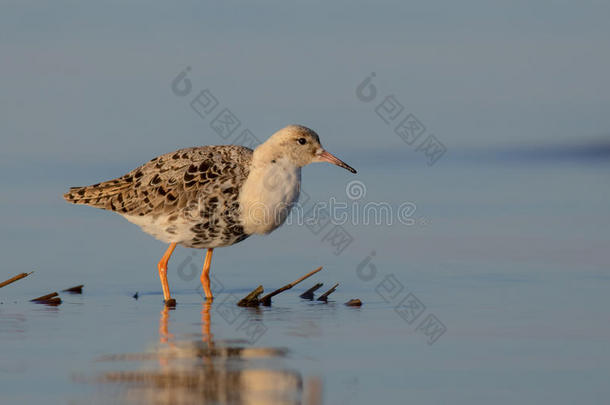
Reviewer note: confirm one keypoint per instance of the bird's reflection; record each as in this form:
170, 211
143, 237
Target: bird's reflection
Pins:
210, 372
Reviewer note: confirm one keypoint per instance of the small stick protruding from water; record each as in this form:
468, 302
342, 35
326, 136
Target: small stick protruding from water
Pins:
77, 289
15, 278
44, 297
49, 299
308, 295
354, 302
324, 297
266, 300
251, 300
53, 302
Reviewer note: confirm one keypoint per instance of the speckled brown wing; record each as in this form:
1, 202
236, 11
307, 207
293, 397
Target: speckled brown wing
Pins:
174, 183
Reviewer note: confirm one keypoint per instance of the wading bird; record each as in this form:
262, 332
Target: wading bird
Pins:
211, 196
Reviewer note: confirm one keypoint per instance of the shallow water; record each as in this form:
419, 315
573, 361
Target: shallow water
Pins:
497, 293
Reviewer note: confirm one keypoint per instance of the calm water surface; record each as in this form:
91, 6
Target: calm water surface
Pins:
510, 258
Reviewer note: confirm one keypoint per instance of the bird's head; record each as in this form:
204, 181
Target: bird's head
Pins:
300, 145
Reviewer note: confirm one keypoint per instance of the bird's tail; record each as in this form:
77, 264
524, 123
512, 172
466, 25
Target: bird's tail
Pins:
97, 195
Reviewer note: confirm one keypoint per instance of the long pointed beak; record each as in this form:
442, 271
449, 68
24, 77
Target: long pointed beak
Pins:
330, 158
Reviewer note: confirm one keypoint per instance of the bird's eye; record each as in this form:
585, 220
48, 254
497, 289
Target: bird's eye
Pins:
302, 141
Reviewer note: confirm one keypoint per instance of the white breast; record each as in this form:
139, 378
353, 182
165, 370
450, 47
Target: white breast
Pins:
268, 195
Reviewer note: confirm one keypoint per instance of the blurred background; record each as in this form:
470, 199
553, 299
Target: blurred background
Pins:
509, 244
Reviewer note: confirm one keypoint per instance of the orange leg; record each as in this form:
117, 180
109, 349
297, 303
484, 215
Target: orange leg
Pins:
205, 274
162, 266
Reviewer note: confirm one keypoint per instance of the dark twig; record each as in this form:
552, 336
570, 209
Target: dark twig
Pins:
44, 297
324, 297
78, 289
308, 295
266, 300
251, 300
49, 299
13, 279
52, 302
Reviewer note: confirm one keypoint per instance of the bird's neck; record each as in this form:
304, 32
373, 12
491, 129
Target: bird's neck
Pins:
269, 192
264, 155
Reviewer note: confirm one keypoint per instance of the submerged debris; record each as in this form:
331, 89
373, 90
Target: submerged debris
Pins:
77, 289
44, 297
354, 302
308, 295
266, 300
48, 299
53, 302
15, 278
324, 297
251, 300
